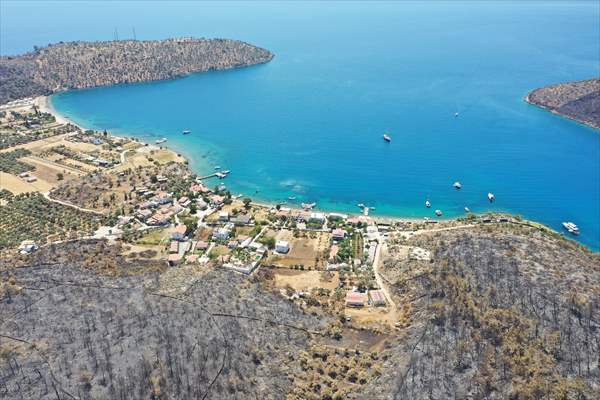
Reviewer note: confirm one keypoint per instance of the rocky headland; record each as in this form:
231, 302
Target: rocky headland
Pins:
78, 65
578, 100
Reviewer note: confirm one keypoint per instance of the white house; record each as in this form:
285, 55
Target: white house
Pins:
223, 216
282, 246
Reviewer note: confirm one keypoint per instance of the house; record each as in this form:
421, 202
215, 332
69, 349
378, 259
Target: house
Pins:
174, 259
192, 258
355, 299
317, 217
146, 204
201, 204
174, 247
242, 219
30, 179
143, 214
161, 178
282, 246
216, 200
338, 234
184, 201
223, 216
179, 232
201, 245
223, 233
162, 198
377, 297
232, 244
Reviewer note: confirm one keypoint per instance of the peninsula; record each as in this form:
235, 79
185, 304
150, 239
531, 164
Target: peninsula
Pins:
78, 65
578, 100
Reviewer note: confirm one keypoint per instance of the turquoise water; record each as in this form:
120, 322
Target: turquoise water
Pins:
309, 124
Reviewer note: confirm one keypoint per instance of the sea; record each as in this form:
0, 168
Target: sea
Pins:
308, 126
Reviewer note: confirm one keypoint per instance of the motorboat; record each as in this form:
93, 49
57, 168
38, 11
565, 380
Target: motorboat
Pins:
491, 197
457, 185
571, 227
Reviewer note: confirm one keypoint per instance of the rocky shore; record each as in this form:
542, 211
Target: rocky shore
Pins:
78, 65
578, 100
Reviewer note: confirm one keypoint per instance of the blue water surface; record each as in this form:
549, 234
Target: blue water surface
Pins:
309, 124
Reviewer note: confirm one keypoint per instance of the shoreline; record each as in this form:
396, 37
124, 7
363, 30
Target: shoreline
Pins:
587, 124
45, 105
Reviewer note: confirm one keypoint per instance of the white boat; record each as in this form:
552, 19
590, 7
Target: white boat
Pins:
159, 141
292, 198
438, 213
387, 138
217, 167
186, 132
571, 227
456, 114
361, 205
467, 210
491, 197
457, 185
427, 204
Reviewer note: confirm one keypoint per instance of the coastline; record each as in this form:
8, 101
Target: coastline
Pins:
44, 104
551, 110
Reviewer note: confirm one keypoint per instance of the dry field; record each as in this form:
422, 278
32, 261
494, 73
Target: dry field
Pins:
310, 251
305, 280
17, 185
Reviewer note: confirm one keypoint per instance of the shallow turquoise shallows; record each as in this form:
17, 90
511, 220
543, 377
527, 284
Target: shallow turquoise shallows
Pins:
309, 124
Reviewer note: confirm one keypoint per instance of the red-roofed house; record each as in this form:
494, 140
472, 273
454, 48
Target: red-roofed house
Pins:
179, 232
338, 234
377, 297
174, 258
355, 299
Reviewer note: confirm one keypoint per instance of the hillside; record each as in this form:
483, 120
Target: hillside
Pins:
78, 65
577, 100
500, 312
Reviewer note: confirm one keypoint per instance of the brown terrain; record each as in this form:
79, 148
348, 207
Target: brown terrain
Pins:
77, 65
576, 100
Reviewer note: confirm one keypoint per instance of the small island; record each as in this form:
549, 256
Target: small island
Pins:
578, 100
79, 65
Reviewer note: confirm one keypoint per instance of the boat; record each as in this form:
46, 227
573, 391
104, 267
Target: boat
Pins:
220, 175
491, 197
387, 138
457, 185
226, 172
571, 227
221, 188
467, 210
186, 132
456, 115
438, 213
217, 167
292, 198
308, 206
427, 204
366, 211
159, 141
361, 205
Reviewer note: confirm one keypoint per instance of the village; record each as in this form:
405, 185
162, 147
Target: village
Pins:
145, 197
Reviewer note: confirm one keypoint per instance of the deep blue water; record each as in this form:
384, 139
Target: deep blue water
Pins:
310, 123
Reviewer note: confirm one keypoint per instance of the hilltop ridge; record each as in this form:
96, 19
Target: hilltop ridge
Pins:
78, 65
